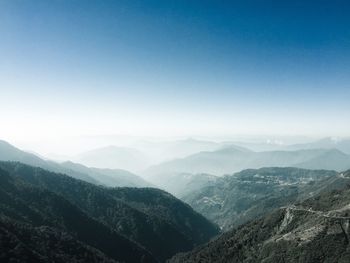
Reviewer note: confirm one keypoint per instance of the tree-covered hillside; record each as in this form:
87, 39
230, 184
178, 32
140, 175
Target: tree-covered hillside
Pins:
106, 177
315, 230
32, 206
42, 198
236, 199
22, 242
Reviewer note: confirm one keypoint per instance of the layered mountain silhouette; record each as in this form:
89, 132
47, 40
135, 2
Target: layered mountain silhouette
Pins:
125, 224
341, 144
107, 177
114, 157
182, 184
233, 159
160, 151
59, 212
325, 143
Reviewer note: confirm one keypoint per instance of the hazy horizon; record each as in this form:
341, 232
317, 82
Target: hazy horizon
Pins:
178, 69
68, 147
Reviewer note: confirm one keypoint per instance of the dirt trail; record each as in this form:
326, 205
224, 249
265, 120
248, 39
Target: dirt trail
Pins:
319, 213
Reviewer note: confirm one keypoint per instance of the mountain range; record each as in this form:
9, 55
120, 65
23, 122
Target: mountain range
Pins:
161, 151
236, 199
325, 143
124, 224
182, 184
313, 230
114, 157
107, 177
341, 144
139, 155
234, 159
59, 212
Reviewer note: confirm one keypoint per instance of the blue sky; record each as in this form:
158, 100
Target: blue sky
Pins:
174, 67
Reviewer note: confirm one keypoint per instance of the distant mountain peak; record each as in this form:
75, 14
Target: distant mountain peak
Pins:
232, 148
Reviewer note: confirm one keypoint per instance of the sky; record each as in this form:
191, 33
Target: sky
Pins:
171, 68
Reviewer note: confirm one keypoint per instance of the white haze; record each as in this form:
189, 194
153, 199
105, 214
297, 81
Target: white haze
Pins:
157, 149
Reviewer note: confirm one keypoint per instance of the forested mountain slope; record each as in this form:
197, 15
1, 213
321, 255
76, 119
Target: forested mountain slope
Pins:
162, 233
28, 208
315, 230
107, 177
236, 199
